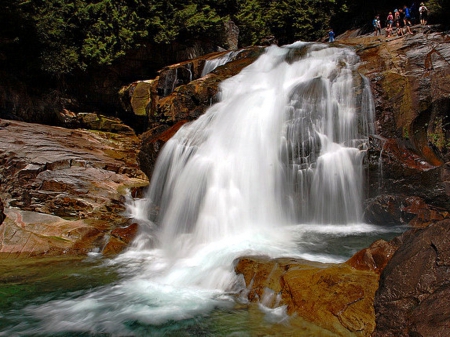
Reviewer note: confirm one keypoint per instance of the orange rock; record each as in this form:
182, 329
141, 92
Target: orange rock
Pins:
336, 297
374, 258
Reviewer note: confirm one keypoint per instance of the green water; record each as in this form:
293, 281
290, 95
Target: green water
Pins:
26, 283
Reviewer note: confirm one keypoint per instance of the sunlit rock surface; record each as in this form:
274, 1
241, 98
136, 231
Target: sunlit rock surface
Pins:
375, 257
63, 190
182, 91
336, 297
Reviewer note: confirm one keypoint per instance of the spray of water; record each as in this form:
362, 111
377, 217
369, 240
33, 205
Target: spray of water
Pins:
279, 156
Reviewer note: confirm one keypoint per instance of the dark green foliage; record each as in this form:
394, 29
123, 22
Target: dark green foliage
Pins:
438, 12
62, 36
78, 34
301, 19
252, 21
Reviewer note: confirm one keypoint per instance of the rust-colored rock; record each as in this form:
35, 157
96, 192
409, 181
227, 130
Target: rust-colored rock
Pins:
120, 238
410, 80
374, 258
338, 297
152, 143
25, 234
63, 190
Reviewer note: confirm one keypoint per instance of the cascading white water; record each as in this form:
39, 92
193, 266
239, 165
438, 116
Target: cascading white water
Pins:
212, 64
279, 156
283, 131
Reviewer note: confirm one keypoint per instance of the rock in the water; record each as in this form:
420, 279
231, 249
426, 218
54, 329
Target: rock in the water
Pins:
337, 297
375, 257
120, 238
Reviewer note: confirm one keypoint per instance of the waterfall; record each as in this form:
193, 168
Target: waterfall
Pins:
282, 146
267, 170
212, 64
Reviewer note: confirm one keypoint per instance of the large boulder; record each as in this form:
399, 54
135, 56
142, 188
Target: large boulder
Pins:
336, 297
412, 299
63, 190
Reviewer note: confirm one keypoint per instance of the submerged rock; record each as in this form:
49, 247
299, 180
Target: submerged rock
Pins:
63, 190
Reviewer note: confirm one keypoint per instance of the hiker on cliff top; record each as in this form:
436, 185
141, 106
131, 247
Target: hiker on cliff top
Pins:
331, 35
389, 20
398, 22
407, 19
423, 14
376, 25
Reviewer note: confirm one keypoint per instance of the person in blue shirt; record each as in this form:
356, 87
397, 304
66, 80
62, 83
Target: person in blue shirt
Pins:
407, 19
376, 25
331, 35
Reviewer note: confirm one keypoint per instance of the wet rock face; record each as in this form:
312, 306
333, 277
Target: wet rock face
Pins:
120, 239
180, 91
152, 143
395, 210
412, 299
63, 190
410, 83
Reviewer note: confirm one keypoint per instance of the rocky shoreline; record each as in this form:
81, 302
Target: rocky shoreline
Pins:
64, 190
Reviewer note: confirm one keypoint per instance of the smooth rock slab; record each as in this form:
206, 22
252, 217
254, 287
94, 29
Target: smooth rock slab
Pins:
64, 190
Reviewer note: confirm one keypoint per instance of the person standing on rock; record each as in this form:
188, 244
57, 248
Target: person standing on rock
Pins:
407, 19
398, 22
389, 20
331, 35
423, 14
377, 25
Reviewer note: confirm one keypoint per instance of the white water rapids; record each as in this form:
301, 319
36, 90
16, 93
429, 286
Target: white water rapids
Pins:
276, 163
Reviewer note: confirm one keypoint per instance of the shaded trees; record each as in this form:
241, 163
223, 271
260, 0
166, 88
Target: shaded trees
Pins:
67, 35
